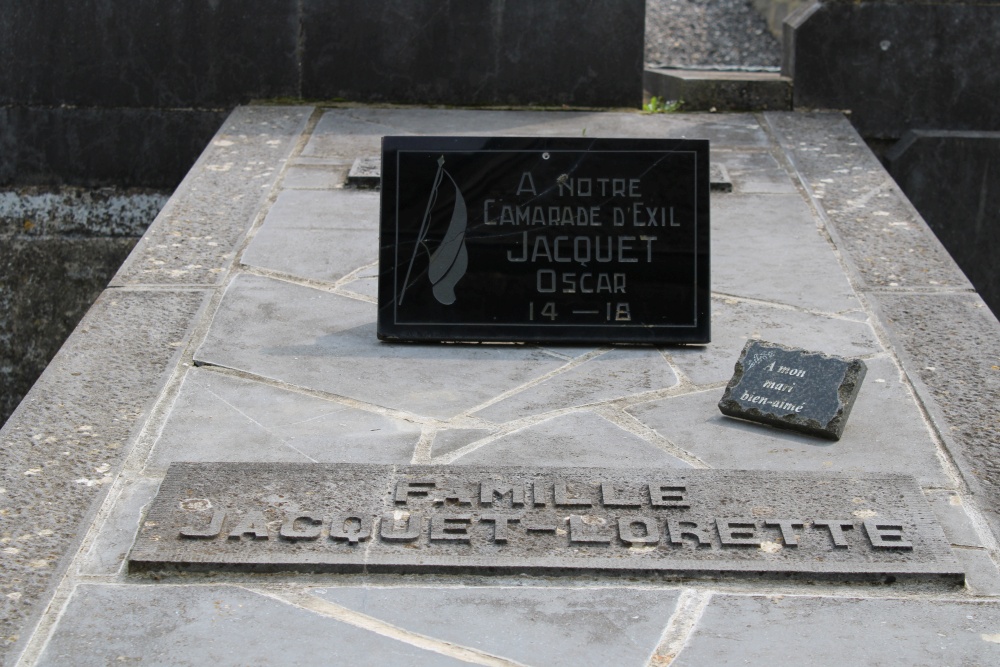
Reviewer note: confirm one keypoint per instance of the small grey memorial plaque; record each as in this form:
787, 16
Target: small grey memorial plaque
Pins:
272, 517
804, 391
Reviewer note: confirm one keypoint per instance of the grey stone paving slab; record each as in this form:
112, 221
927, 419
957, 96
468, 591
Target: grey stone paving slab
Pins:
222, 418
754, 172
613, 374
323, 341
350, 133
195, 236
950, 511
734, 321
576, 439
981, 574
886, 240
534, 626
832, 632
107, 554
768, 247
317, 235
950, 348
212, 625
65, 441
886, 433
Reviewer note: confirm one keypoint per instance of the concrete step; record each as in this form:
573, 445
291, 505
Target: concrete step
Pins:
715, 90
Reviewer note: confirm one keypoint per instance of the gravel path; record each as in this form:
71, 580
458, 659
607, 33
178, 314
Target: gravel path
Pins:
708, 34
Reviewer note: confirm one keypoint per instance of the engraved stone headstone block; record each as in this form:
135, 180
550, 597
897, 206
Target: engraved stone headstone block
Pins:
544, 239
269, 517
810, 392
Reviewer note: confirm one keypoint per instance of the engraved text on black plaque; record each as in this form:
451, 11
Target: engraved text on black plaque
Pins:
544, 239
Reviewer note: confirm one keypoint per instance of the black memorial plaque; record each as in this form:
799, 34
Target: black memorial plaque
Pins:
312, 517
791, 388
544, 239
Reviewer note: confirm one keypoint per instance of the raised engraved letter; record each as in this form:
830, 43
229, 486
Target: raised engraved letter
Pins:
579, 531
836, 529
563, 499
666, 495
416, 487
737, 532
612, 496
650, 533
213, 529
342, 527
681, 529
310, 531
786, 526
411, 531
451, 527
500, 522
886, 534
492, 489
253, 524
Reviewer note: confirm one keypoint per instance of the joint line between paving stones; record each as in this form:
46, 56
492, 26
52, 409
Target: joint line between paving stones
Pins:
603, 409
691, 605
422, 450
784, 306
578, 361
501, 432
328, 609
322, 286
283, 441
630, 424
316, 393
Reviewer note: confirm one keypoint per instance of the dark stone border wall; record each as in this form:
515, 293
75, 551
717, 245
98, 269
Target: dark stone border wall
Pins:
920, 80
108, 91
